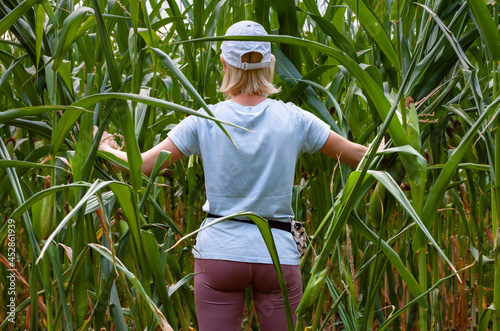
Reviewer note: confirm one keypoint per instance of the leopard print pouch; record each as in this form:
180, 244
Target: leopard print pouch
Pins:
299, 236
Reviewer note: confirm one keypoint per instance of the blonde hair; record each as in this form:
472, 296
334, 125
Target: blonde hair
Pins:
257, 81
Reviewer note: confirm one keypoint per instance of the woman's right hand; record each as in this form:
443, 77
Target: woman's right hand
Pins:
108, 144
107, 140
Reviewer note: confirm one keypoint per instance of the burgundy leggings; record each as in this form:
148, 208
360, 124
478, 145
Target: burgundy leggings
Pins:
219, 293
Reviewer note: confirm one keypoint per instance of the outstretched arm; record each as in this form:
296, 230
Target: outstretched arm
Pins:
343, 150
149, 157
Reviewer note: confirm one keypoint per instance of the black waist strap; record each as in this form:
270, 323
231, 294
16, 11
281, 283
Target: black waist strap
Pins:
285, 226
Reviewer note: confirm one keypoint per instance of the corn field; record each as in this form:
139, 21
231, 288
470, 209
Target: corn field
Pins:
410, 240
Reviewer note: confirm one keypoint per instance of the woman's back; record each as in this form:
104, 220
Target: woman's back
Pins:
258, 175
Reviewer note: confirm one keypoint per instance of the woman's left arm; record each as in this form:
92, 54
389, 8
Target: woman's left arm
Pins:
343, 150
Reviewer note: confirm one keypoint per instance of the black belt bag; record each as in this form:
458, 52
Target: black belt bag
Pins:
285, 226
295, 228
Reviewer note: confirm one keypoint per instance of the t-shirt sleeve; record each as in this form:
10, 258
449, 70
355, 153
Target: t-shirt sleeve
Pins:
185, 136
313, 131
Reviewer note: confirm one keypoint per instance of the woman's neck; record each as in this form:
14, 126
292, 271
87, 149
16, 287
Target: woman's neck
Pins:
248, 100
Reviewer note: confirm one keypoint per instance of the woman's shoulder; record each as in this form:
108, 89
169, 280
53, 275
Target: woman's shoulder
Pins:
217, 107
203, 111
290, 108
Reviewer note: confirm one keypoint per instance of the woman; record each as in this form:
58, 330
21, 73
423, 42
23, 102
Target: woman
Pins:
256, 176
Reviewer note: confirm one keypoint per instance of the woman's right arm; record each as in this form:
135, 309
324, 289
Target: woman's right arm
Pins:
149, 157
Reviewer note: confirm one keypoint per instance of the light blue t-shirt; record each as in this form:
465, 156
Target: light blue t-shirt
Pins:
256, 176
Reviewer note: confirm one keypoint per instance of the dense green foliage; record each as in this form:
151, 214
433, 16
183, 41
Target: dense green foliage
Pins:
409, 240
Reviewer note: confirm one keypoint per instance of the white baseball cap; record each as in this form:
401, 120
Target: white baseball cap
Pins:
232, 50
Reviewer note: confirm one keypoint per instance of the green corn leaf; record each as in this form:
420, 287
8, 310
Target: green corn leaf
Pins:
471, 166
12, 114
29, 95
116, 310
134, 13
396, 261
57, 267
440, 186
151, 249
488, 26
16, 14
345, 200
394, 189
19, 196
409, 150
287, 71
358, 183
337, 38
448, 49
333, 308
338, 109
112, 66
127, 127
180, 283
312, 75
83, 147
95, 187
374, 28
160, 161
311, 292
127, 199
288, 25
103, 300
165, 21
198, 18
413, 128
395, 315
90, 100
150, 37
96, 202
64, 72
116, 160
464, 61
153, 37
64, 125
36, 127
262, 8
68, 31
486, 318
181, 30
165, 217
9, 70
398, 6
25, 164
106, 253
48, 10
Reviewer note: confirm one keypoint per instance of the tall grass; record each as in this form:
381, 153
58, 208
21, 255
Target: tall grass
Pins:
409, 240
